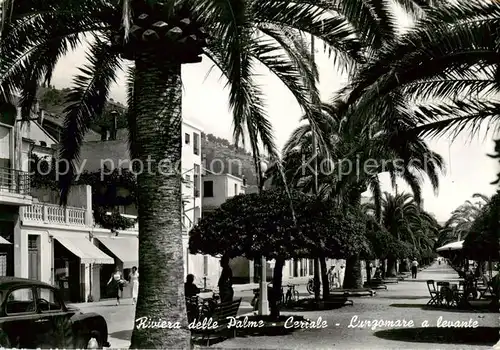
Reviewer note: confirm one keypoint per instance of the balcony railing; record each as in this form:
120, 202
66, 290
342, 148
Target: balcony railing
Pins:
14, 181
53, 214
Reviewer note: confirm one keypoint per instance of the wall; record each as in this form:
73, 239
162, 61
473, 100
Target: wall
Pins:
223, 189
21, 250
79, 196
191, 199
33, 131
231, 182
219, 191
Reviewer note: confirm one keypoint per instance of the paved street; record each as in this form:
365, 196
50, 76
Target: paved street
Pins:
403, 301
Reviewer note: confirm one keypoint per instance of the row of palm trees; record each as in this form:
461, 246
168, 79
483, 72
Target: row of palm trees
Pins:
381, 112
459, 225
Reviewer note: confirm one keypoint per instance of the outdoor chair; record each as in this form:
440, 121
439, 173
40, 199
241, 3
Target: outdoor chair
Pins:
434, 293
192, 308
484, 288
221, 316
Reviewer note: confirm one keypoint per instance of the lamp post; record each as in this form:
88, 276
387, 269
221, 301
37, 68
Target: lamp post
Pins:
114, 125
264, 303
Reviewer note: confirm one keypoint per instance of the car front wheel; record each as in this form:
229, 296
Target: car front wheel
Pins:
92, 341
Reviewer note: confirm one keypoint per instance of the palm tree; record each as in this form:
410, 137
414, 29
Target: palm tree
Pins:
346, 144
403, 218
462, 218
235, 35
447, 65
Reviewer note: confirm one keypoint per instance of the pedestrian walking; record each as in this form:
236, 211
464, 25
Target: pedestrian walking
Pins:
414, 268
117, 283
134, 280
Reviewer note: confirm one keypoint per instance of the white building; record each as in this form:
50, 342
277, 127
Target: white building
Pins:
204, 268
219, 188
40, 239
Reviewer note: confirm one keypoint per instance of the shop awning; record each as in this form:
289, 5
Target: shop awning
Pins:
4, 241
451, 246
124, 248
84, 249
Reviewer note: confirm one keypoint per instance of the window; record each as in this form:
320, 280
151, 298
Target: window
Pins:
43, 143
235, 189
20, 301
196, 180
187, 138
48, 300
188, 180
196, 143
208, 189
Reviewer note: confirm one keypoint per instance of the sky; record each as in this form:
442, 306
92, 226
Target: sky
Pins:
205, 102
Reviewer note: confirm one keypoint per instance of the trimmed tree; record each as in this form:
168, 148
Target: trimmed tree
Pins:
271, 224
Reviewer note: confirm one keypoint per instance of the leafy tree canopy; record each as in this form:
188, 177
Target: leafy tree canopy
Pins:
253, 225
482, 241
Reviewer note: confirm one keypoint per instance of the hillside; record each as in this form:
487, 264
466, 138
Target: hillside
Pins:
220, 159
52, 100
219, 154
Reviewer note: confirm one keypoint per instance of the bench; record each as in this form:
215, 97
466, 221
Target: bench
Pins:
221, 315
403, 276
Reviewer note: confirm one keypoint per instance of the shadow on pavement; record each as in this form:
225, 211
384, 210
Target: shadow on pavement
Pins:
123, 335
482, 308
470, 336
402, 297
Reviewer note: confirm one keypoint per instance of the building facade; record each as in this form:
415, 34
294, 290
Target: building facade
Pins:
96, 155
39, 239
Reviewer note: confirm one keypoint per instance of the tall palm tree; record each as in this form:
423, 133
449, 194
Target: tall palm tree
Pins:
160, 37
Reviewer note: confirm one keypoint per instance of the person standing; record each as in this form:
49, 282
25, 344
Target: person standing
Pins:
331, 276
117, 284
225, 281
414, 268
134, 280
190, 289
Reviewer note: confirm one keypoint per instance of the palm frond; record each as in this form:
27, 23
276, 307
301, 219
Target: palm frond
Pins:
85, 101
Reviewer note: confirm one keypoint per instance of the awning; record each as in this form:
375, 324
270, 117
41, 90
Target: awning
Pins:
451, 246
84, 249
4, 241
124, 248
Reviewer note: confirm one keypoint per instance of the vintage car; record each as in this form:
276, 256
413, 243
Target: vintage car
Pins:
33, 315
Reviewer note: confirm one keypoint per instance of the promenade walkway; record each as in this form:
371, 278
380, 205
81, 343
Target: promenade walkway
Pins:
404, 301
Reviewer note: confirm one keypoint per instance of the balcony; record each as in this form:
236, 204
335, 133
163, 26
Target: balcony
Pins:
53, 214
14, 187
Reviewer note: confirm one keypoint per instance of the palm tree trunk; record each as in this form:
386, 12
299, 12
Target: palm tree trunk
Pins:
277, 284
324, 278
156, 138
368, 271
353, 278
